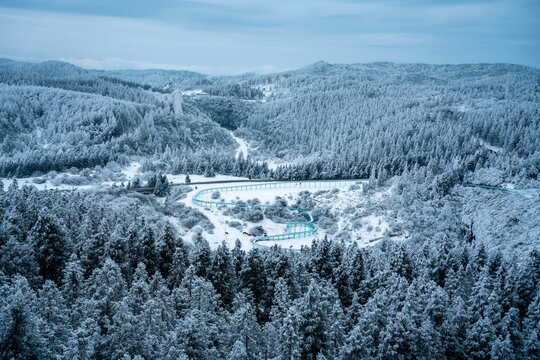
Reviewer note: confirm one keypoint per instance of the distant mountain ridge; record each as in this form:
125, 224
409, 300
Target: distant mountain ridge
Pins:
11, 70
336, 120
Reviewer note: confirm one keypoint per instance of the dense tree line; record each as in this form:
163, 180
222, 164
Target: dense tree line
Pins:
45, 129
359, 120
346, 121
56, 74
229, 112
207, 162
85, 276
234, 89
165, 80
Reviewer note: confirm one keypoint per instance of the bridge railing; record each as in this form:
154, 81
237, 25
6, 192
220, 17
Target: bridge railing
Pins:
287, 236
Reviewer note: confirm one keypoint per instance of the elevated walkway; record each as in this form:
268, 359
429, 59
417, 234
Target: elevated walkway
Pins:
294, 229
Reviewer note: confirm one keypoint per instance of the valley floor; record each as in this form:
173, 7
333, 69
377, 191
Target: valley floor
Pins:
340, 205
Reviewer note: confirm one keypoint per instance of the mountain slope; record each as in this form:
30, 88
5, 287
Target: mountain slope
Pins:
55, 115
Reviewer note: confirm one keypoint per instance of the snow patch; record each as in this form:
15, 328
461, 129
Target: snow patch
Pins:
243, 146
131, 170
193, 92
490, 147
365, 229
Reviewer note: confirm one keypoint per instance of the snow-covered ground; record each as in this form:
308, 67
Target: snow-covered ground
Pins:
243, 146
352, 208
129, 173
270, 90
47, 185
488, 146
180, 178
68, 181
132, 170
347, 205
193, 92
264, 195
224, 232
267, 90
508, 186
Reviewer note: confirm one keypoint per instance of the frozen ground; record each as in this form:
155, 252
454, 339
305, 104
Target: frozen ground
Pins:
92, 180
132, 171
488, 146
242, 145
193, 92
347, 207
224, 232
268, 89
506, 221
266, 196
45, 185
357, 216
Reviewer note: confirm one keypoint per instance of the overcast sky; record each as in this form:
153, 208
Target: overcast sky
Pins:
234, 36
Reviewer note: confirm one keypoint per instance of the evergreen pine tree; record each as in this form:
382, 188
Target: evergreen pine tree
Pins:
289, 340
221, 273
50, 246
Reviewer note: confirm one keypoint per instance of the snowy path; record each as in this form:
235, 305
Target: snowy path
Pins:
243, 146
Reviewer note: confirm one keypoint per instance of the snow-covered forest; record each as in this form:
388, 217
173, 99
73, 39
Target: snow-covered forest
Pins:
342, 121
85, 276
413, 265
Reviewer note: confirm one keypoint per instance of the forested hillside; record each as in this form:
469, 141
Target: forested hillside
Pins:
166, 80
380, 119
102, 272
329, 121
93, 276
54, 116
384, 118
